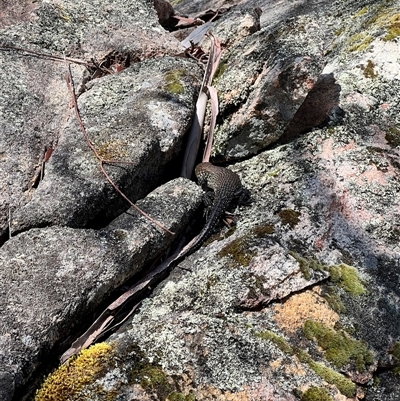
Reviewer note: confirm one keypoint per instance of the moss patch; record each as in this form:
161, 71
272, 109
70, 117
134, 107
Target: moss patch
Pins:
393, 136
333, 299
307, 264
363, 11
339, 347
279, 341
396, 350
181, 397
369, 70
344, 385
173, 83
347, 278
393, 27
316, 394
69, 379
261, 231
238, 251
220, 70
359, 42
290, 217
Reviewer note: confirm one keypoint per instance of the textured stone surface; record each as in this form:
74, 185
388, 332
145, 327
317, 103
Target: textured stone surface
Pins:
302, 296
36, 115
52, 279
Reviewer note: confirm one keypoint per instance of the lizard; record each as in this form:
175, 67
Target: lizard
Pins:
226, 186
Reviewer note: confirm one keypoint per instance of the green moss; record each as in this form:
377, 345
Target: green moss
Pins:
369, 70
289, 216
316, 394
393, 27
238, 251
339, 347
362, 12
173, 83
347, 278
153, 379
211, 281
69, 379
344, 385
338, 32
181, 397
334, 300
273, 173
307, 264
393, 136
396, 351
261, 231
220, 70
359, 42
279, 341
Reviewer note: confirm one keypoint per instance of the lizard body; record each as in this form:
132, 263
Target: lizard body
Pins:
226, 186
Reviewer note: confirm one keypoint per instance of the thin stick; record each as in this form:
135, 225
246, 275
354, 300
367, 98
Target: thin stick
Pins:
45, 55
99, 158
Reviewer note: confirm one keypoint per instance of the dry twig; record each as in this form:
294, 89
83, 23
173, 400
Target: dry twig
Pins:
100, 159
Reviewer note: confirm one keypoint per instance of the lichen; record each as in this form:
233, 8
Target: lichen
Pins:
69, 379
112, 150
173, 83
290, 217
316, 394
339, 347
346, 276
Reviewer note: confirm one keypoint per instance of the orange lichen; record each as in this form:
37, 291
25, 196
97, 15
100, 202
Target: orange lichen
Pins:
307, 305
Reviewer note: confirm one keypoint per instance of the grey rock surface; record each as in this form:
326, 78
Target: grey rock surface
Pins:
316, 255
52, 279
36, 115
139, 117
298, 301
